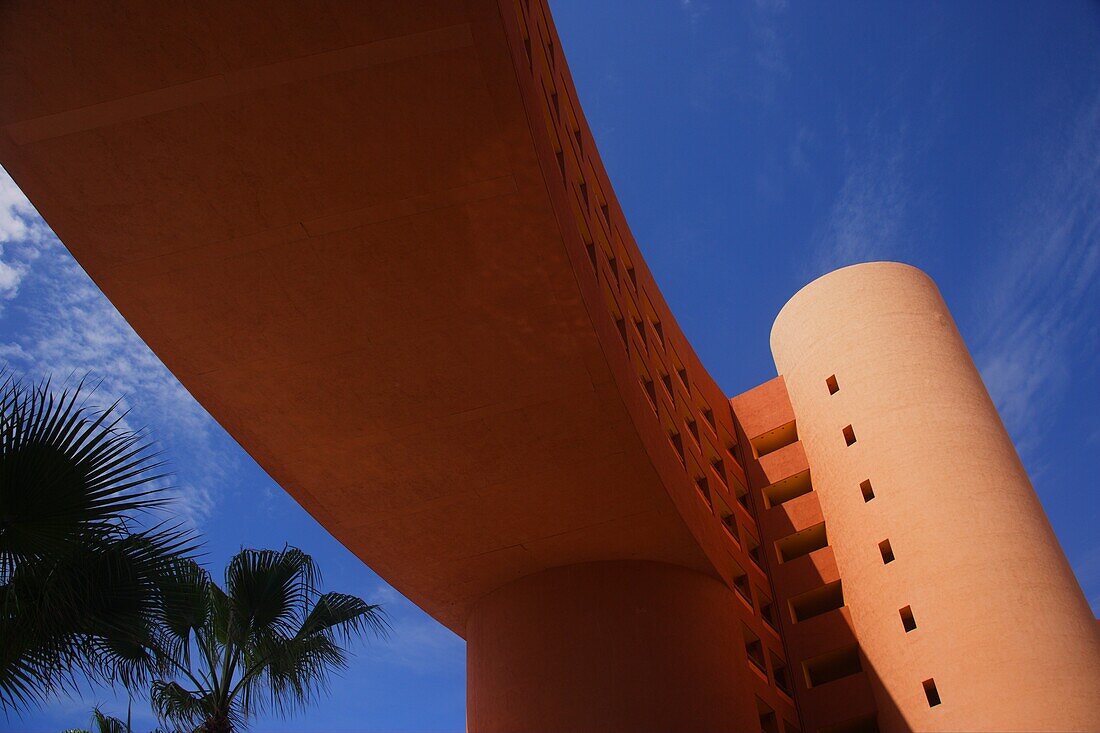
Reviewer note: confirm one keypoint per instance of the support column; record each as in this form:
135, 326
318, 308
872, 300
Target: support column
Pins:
608, 646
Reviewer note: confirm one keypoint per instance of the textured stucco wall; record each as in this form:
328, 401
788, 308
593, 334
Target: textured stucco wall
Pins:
1002, 625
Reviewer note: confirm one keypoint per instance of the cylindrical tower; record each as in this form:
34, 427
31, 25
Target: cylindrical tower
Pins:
967, 612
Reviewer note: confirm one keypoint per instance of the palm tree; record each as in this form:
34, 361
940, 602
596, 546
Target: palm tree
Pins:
79, 574
103, 723
268, 641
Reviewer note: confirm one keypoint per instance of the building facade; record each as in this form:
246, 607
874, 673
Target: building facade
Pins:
391, 232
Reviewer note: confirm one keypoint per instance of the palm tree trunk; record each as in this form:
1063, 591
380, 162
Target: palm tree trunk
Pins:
218, 723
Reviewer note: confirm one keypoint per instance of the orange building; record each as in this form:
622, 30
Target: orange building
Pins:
377, 243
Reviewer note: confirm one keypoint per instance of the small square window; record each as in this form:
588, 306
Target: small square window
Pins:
832, 385
849, 435
907, 620
887, 552
931, 692
868, 492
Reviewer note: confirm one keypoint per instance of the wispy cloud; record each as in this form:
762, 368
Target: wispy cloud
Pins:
1039, 307
867, 219
63, 327
695, 10
419, 642
750, 69
770, 54
20, 230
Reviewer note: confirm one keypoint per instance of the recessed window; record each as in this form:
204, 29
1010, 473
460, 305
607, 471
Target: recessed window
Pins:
591, 248
768, 721
650, 391
657, 329
729, 521
787, 489
561, 165
667, 381
796, 545
693, 428
817, 601
849, 435
767, 612
887, 552
832, 385
773, 440
621, 325
754, 649
752, 546
907, 620
832, 666
677, 444
708, 415
931, 692
633, 277
641, 333
781, 675
741, 584
742, 497
720, 469
683, 374
866, 490
703, 488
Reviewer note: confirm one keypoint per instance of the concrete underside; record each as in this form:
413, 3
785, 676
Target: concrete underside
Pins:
330, 222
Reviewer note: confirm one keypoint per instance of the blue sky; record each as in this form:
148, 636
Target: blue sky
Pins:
754, 146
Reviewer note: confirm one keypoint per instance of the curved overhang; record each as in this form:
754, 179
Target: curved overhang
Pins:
378, 245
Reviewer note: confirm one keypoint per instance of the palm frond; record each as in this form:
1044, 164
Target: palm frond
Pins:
344, 616
77, 573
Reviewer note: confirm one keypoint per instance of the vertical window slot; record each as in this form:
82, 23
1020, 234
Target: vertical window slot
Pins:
931, 692
907, 621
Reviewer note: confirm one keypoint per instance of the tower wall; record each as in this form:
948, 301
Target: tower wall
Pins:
1001, 625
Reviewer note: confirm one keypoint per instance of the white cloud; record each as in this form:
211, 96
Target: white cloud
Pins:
1038, 307
67, 329
20, 228
867, 217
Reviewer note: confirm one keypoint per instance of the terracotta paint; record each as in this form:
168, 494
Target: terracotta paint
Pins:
381, 249
1000, 622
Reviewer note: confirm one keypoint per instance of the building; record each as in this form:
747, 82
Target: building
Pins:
380, 248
